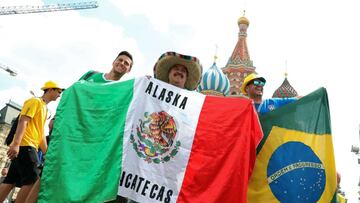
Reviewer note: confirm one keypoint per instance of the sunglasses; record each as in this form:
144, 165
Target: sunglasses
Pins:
58, 90
258, 83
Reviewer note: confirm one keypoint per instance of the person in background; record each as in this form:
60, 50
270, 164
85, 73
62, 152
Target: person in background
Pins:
29, 137
4, 172
34, 193
253, 87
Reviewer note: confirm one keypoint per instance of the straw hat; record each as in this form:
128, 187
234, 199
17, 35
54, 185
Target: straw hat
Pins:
169, 59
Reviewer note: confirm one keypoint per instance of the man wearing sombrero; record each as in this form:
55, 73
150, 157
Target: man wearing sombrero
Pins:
28, 138
179, 70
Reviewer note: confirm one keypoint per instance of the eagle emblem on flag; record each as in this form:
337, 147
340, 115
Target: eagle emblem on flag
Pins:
154, 138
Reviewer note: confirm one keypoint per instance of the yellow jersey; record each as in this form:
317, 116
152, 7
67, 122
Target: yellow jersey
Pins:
34, 108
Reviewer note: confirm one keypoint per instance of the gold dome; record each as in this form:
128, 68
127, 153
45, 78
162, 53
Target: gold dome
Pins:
243, 20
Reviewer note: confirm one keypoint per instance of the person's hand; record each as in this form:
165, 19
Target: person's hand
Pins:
13, 151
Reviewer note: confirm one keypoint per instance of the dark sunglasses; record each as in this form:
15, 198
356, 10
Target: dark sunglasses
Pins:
258, 83
58, 90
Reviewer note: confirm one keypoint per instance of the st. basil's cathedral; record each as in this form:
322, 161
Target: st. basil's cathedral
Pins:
227, 81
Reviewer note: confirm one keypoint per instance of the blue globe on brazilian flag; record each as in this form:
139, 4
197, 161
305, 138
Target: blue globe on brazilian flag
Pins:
295, 160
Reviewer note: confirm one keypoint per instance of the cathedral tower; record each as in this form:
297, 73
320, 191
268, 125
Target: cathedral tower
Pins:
239, 64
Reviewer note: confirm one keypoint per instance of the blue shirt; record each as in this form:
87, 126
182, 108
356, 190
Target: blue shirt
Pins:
272, 104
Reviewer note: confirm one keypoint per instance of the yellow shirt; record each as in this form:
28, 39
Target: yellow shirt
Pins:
35, 108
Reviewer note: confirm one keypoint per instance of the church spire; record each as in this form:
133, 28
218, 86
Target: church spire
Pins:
215, 56
240, 55
239, 64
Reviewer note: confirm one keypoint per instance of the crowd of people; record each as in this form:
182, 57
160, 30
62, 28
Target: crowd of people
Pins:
176, 69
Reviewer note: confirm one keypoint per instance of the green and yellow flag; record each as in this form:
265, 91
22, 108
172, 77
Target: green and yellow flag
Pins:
295, 160
340, 198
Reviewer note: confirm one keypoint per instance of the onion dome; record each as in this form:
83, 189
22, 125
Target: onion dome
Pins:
214, 82
243, 20
285, 90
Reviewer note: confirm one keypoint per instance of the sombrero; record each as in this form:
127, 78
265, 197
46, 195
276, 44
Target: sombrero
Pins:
169, 59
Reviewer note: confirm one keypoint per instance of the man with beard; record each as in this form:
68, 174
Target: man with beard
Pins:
179, 70
253, 86
121, 65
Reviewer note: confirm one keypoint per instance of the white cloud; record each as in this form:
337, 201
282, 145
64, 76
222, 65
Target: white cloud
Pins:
64, 41
60, 46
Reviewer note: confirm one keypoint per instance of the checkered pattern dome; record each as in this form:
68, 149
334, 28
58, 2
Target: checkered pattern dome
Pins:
285, 90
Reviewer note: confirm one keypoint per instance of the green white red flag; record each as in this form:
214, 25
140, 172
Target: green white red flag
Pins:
151, 142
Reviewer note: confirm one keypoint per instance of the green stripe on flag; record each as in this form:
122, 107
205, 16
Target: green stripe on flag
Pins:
307, 109
89, 126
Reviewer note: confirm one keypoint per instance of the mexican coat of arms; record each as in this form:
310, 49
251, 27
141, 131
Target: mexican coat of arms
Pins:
154, 138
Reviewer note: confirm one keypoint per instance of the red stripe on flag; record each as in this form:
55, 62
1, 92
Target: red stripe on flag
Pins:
223, 152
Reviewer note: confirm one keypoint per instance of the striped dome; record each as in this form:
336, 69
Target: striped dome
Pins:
285, 90
214, 82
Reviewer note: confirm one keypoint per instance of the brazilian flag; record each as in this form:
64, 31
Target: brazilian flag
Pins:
295, 160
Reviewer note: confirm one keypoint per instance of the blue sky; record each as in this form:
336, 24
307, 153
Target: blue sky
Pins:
318, 39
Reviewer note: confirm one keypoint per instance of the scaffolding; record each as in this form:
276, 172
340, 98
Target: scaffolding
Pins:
8, 69
10, 10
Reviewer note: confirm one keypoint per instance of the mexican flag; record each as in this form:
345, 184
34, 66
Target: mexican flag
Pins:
150, 142
295, 161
